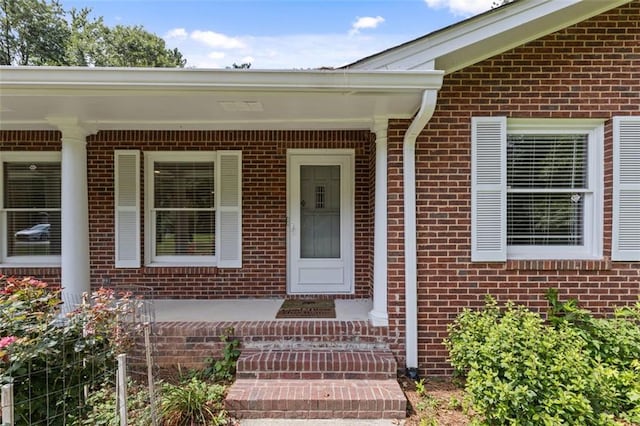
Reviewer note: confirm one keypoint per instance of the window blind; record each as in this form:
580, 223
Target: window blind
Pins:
547, 180
32, 205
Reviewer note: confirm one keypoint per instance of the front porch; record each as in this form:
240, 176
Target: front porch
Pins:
295, 368
230, 310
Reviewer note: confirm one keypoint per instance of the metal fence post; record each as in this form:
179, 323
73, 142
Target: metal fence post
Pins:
150, 379
7, 405
121, 386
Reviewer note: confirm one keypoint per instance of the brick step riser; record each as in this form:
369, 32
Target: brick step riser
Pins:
311, 375
330, 399
325, 413
269, 331
307, 343
312, 364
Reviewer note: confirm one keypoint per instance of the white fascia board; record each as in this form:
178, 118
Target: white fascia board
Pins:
17, 79
500, 30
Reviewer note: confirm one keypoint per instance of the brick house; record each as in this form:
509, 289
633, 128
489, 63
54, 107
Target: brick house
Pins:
496, 156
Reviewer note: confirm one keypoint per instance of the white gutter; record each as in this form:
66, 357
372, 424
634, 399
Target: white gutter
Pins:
14, 79
425, 113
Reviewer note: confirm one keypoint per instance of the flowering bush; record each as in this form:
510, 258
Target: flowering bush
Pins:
51, 357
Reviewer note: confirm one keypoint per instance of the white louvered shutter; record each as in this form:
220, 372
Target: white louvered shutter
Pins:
229, 209
127, 208
626, 189
488, 189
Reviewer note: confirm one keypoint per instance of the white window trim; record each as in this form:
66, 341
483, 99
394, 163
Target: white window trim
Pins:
23, 261
150, 237
594, 197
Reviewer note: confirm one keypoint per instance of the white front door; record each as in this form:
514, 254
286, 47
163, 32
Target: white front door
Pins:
320, 217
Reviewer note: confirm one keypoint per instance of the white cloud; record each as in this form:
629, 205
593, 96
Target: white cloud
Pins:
294, 51
217, 40
365, 22
216, 55
176, 33
461, 7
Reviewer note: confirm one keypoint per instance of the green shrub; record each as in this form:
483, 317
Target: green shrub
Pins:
102, 407
193, 402
521, 370
50, 358
613, 347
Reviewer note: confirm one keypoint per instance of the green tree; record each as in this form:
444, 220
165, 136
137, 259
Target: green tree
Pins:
41, 32
132, 46
32, 32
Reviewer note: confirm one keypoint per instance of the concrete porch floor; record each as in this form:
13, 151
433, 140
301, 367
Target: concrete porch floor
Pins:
247, 310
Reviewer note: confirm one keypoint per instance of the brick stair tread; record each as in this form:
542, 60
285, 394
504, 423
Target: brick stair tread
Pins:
316, 364
316, 399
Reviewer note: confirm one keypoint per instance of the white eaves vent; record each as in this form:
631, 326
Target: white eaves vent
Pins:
241, 106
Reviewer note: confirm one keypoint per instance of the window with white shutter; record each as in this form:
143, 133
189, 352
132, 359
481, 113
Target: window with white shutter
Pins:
553, 188
626, 189
30, 213
193, 208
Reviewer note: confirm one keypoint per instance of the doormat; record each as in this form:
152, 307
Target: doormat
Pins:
307, 308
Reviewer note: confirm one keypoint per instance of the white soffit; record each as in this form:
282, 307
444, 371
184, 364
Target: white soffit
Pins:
130, 98
486, 35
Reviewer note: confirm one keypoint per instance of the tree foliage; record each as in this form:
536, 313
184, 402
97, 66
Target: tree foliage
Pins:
41, 32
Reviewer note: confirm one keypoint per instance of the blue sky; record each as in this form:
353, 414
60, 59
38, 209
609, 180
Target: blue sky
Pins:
282, 34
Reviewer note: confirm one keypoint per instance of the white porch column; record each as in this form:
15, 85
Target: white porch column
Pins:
378, 315
74, 210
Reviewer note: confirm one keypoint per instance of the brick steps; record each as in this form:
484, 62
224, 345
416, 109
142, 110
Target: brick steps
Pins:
316, 382
316, 399
311, 364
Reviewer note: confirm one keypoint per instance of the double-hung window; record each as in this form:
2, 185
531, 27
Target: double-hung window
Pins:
182, 207
537, 189
193, 208
30, 225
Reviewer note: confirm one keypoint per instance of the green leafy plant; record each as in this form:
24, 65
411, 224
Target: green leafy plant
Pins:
522, 370
193, 402
102, 407
224, 369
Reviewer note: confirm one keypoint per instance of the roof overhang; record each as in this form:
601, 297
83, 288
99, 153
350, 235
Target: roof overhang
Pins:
35, 98
486, 35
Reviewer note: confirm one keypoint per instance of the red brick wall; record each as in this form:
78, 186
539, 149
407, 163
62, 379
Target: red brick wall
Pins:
264, 208
263, 273
590, 70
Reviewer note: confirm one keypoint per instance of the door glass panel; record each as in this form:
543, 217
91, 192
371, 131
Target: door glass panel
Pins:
320, 212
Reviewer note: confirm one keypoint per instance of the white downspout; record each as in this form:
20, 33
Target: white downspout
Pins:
424, 114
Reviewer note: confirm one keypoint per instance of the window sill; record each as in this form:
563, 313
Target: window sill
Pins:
559, 265
155, 269
28, 265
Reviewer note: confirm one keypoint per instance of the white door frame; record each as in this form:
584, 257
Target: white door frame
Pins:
321, 276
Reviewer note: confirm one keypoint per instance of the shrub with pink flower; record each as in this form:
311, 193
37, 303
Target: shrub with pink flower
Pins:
44, 353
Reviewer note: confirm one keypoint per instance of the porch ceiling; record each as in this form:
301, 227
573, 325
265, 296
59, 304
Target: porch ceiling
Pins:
170, 99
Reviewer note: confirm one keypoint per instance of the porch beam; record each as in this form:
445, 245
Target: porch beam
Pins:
74, 206
379, 316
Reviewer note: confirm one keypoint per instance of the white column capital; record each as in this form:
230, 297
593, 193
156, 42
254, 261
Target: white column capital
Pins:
379, 127
71, 127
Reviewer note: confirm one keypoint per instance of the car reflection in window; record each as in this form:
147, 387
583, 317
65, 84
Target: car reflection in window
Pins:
39, 232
